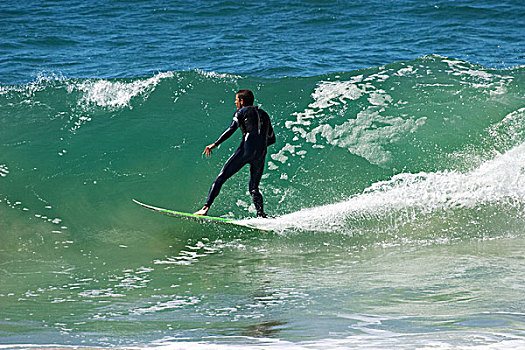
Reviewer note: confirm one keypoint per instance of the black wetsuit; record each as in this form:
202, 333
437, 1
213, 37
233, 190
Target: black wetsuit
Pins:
257, 134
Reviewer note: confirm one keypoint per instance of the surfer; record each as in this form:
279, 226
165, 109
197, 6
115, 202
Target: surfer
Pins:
257, 135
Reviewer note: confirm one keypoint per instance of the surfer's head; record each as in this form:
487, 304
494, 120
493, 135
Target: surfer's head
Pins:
244, 98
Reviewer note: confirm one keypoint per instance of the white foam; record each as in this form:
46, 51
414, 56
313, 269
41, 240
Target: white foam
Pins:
372, 339
379, 98
4, 170
514, 128
330, 93
366, 134
211, 74
481, 79
500, 180
281, 157
408, 71
117, 94
173, 302
360, 138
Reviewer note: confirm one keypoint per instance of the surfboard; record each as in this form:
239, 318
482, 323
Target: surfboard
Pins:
184, 215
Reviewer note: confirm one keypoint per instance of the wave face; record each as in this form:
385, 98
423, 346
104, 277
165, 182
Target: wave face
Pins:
75, 151
426, 151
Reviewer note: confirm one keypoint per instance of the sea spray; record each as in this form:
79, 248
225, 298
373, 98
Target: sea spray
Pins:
405, 198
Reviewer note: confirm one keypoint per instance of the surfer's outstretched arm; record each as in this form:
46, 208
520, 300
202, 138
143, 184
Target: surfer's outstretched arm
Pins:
228, 132
225, 135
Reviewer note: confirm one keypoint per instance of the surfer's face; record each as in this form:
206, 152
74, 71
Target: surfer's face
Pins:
238, 102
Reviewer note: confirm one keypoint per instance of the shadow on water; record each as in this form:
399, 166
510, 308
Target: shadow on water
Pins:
264, 329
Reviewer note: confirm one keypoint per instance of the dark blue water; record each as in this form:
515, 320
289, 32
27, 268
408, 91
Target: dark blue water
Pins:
266, 38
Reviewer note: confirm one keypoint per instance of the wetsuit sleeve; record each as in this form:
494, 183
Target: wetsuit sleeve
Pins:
270, 138
228, 132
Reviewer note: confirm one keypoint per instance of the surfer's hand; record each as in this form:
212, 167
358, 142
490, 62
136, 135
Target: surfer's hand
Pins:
207, 151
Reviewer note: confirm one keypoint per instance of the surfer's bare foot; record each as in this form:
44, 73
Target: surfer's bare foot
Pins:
203, 211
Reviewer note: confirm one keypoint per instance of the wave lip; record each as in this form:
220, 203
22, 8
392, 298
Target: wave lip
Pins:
116, 94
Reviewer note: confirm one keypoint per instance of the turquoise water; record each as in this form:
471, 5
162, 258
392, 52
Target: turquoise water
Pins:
397, 183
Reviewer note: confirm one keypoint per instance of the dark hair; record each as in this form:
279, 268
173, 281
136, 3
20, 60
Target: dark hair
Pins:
246, 96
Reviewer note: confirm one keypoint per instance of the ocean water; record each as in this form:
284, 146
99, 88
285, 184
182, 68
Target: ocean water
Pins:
397, 181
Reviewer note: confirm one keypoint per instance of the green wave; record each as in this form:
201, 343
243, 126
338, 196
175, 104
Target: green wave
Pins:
73, 152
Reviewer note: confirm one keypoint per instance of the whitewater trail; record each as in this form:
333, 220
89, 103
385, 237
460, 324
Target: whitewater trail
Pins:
497, 181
